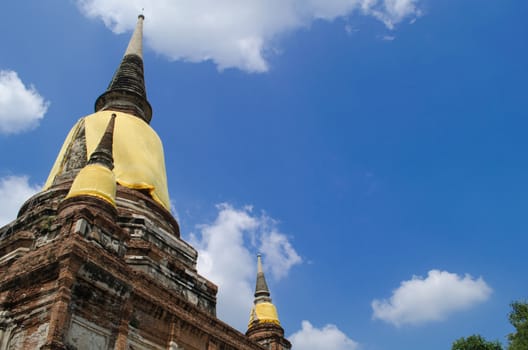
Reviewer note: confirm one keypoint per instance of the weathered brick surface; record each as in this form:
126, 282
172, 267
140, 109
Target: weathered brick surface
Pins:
269, 335
78, 273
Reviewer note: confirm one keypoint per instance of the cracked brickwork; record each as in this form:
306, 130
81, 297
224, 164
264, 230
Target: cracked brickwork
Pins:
79, 274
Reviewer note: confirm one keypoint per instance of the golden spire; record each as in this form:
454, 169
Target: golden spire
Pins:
97, 179
263, 310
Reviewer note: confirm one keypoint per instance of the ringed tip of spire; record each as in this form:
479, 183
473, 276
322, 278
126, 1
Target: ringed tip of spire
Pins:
259, 263
141, 16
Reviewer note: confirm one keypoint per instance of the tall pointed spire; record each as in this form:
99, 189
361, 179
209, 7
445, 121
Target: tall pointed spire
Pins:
126, 91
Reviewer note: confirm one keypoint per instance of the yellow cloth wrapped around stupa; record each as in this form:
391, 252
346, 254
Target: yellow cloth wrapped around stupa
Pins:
139, 162
264, 312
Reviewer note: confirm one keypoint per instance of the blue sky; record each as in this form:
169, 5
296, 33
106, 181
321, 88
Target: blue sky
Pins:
374, 151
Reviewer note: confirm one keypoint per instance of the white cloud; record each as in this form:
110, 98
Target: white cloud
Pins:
434, 298
394, 11
227, 256
277, 249
233, 33
21, 107
14, 191
328, 337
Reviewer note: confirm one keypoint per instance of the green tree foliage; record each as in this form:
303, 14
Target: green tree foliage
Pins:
475, 342
519, 319
518, 340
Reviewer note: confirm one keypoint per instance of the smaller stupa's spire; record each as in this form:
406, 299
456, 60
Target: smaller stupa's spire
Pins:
103, 152
262, 293
263, 311
126, 91
97, 179
264, 326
